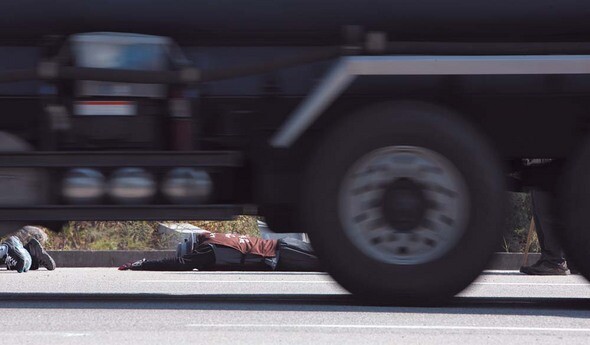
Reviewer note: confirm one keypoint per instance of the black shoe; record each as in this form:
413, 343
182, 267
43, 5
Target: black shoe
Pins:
546, 268
39, 256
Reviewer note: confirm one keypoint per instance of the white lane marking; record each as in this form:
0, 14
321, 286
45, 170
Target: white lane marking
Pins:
74, 334
241, 281
532, 284
196, 281
251, 273
58, 334
394, 327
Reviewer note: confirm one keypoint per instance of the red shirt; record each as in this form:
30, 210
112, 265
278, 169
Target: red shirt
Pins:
243, 243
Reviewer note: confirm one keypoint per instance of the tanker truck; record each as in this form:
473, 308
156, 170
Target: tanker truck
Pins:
389, 130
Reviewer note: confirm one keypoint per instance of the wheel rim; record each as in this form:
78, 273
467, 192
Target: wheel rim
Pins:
403, 205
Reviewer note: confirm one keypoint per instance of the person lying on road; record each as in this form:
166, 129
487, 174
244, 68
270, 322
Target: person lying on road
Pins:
216, 251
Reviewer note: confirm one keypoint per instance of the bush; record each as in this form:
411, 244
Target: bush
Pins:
517, 224
134, 235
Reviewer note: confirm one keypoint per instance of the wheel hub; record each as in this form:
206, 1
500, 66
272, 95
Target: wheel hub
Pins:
404, 205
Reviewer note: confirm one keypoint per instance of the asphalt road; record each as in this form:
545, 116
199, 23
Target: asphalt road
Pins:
106, 306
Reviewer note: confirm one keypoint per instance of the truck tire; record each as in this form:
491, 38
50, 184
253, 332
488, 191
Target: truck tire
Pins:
574, 204
404, 203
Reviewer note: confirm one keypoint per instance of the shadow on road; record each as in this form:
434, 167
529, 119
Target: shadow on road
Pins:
570, 307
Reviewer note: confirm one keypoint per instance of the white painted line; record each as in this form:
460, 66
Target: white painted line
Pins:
531, 284
74, 335
196, 281
56, 334
251, 273
241, 281
394, 327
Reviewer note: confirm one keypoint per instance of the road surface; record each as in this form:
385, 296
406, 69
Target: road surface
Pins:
106, 306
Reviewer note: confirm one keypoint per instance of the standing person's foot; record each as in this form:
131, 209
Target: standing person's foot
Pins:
546, 268
39, 256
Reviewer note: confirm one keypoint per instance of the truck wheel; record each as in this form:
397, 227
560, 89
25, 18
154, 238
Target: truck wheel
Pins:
404, 203
574, 203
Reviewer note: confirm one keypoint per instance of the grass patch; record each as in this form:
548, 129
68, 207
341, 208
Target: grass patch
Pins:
134, 235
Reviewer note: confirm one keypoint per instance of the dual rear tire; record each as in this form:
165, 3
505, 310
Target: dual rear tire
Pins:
404, 203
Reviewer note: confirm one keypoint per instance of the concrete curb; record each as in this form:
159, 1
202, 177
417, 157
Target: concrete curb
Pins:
106, 258
511, 261
115, 258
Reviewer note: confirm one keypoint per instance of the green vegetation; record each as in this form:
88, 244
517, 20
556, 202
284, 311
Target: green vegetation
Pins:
517, 225
134, 235
144, 235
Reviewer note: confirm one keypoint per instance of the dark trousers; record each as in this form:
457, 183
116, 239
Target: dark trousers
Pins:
545, 223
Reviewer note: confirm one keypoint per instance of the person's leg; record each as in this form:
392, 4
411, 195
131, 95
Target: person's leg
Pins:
16, 257
544, 215
3, 251
552, 261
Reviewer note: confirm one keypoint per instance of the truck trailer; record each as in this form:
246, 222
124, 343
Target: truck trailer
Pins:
389, 130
